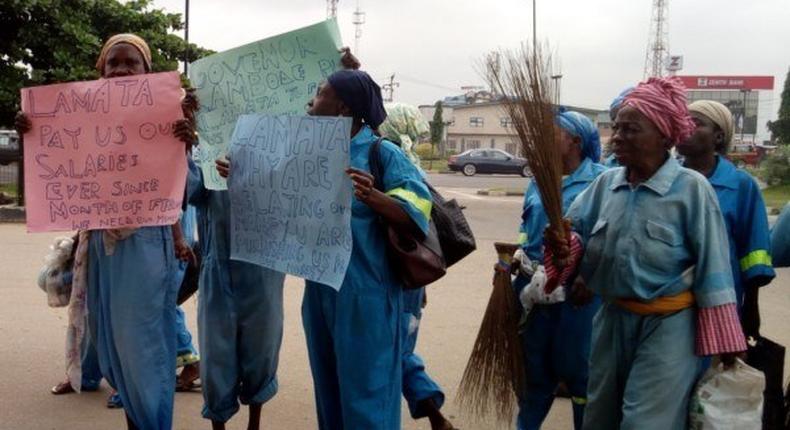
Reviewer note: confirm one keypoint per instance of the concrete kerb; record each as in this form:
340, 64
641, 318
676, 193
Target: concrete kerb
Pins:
494, 192
12, 214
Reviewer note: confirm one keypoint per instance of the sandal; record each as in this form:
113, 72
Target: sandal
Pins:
114, 401
62, 388
188, 380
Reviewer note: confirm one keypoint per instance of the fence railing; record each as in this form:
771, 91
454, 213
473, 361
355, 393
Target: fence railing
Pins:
12, 184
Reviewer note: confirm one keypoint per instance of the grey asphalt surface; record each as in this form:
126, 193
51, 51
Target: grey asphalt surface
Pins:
458, 180
32, 335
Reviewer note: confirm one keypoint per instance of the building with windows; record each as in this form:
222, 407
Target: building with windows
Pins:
741, 94
483, 123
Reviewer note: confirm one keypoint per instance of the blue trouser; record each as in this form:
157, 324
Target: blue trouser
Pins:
642, 370
240, 325
355, 347
184, 348
556, 345
417, 385
91, 372
132, 295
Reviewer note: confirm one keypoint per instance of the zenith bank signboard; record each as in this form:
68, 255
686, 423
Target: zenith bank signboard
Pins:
728, 82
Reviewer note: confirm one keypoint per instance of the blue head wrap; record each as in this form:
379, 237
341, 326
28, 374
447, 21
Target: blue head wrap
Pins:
580, 126
618, 101
361, 94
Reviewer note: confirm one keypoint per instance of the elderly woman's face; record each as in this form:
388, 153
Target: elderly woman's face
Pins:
636, 139
123, 59
326, 102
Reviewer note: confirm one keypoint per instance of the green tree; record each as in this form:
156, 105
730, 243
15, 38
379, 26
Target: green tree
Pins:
437, 130
780, 129
48, 41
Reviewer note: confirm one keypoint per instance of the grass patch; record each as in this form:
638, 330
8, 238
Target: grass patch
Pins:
776, 196
438, 165
8, 189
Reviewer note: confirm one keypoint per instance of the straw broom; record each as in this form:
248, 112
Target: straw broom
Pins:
495, 371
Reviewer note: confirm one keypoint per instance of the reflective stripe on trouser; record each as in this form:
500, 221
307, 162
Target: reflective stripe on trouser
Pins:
133, 296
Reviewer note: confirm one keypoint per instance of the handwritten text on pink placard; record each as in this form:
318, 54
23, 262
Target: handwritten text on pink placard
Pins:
101, 154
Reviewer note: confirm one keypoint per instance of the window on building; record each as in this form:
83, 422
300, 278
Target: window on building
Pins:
506, 122
493, 143
476, 121
510, 148
472, 144
452, 144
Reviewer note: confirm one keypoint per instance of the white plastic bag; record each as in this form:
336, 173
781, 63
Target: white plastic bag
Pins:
728, 399
535, 292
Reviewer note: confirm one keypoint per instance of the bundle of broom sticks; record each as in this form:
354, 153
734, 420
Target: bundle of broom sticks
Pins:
495, 371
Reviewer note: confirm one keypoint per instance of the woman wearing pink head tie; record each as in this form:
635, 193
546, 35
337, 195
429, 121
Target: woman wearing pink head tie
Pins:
655, 250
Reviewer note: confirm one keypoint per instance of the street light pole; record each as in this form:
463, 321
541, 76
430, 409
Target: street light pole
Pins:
534, 28
186, 38
743, 115
557, 82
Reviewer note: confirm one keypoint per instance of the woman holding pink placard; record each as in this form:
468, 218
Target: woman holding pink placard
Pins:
132, 280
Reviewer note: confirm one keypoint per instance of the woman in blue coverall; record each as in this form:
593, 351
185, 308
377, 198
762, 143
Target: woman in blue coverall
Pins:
405, 125
132, 284
354, 335
556, 339
654, 251
741, 204
240, 309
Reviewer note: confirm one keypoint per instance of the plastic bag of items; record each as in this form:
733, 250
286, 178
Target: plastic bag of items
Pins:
535, 293
729, 399
56, 276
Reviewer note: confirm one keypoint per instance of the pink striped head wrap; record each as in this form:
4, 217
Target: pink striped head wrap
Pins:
663, 102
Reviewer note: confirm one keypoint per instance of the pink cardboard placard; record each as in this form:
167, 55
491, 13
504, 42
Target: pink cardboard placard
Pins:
101, 154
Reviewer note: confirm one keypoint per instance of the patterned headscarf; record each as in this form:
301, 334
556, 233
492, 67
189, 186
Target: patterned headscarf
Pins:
405, 125
582, 127
663, 102
719, 114
128, 38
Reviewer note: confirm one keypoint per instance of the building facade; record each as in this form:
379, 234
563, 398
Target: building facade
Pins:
485, 124
741, 94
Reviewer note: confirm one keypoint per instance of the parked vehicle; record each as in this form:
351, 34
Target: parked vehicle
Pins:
9, 147
476, 161
748, 154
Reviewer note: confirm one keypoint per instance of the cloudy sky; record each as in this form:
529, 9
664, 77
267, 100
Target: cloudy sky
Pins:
433, 46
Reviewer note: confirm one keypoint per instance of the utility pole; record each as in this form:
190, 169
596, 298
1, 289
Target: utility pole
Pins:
389, 88
359, 19
658, 40
186, 38
743, 115
557, 82
534, 28
331, 9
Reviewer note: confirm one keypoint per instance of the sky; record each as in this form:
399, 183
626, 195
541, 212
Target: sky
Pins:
434, 46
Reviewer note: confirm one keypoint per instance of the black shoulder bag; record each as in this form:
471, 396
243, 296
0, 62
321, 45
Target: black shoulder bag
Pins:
420, 259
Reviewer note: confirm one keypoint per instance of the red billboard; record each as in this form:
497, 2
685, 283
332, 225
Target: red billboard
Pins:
728, 82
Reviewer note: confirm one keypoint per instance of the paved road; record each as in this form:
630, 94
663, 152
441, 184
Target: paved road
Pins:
31, 335
458, 180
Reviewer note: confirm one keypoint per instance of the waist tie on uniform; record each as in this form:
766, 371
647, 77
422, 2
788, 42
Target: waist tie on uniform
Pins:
667, 304
660, 306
